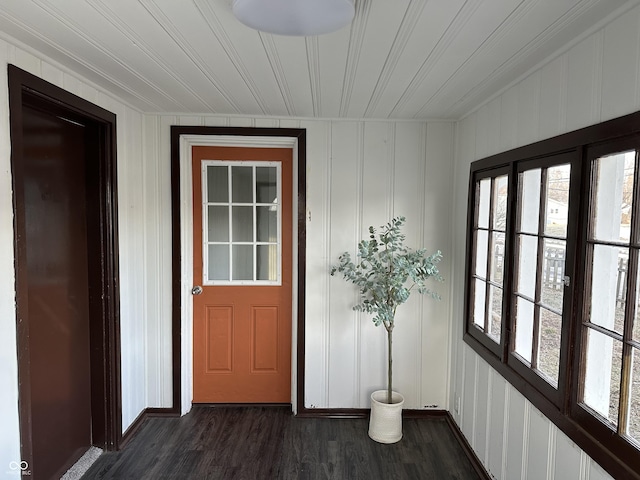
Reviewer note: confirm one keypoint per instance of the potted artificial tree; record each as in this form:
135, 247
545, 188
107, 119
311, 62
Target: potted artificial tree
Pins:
386, 272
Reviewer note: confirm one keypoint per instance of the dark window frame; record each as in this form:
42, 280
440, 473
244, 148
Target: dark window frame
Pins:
555, 395
615, 454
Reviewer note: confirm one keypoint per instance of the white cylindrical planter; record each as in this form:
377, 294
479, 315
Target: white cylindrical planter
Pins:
385, 422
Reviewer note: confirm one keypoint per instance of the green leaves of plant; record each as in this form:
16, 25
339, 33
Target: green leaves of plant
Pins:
386, 272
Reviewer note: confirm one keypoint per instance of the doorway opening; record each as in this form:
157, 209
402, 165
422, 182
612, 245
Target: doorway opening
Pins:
183, 139
66, 262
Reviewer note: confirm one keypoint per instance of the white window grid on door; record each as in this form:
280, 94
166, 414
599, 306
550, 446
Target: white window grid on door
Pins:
254, 204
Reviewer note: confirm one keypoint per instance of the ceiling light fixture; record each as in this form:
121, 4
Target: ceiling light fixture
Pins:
294, 17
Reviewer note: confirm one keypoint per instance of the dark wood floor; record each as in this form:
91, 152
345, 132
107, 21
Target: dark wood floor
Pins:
257, 443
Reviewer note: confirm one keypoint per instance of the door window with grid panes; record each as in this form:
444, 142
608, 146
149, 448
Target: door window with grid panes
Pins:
241, 223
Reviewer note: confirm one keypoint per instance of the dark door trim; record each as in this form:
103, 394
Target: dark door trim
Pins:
300, 135
27, 89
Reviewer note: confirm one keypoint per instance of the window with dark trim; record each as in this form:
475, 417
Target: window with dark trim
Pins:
553, 289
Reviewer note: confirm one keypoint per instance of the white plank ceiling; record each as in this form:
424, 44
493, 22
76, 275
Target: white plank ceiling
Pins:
414, 59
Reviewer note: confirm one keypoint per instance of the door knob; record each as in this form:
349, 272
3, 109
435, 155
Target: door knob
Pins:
197, 290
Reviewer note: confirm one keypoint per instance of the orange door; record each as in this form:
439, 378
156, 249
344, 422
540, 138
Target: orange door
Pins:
242, 217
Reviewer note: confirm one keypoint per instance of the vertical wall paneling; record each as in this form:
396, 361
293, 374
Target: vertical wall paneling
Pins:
515, 437
409, 190
465, 149
163, 165
509, 119
538, 445
190, 120
377, 169
155, 261
552, 103
482, 411
72, 84
494, 112
436, 235
583, 67
620, 65
496, 424
216, 121
482, 135
528, 109
345, 231
595, 472
290, 123
52, 74
318, 232
132, 226
151, 260
469, 396
242, 122
267, 123
27, 61
567, 457
9, 431
551, 451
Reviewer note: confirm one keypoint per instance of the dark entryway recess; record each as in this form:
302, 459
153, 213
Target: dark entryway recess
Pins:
64, 171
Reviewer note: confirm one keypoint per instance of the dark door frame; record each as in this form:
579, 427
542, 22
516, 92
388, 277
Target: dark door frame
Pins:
301, 188
104, 298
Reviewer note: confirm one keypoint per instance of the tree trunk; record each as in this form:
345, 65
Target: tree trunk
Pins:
390, 365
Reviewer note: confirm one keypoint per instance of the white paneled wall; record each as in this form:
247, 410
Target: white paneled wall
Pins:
142, 382
9, 426
359, 173
595, 80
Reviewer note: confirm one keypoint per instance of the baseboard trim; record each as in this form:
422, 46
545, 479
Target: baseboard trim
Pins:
130, 432
333, 413
466, 447
364, 413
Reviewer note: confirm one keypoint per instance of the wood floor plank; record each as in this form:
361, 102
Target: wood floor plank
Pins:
264, 443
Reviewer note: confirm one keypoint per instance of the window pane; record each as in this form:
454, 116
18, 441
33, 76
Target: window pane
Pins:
218, 223
267, 262
217, 184
524, 328
557, 201
530, 200
483, 203
242, 222
608, 287
266, 184
500, 203
267, 223
527, 264
552, 290
602, 374
613, 196
242, 184
218, 262
478, 304
495, 299
497, 249
633, 427
482, 247
242, 262
549, 345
